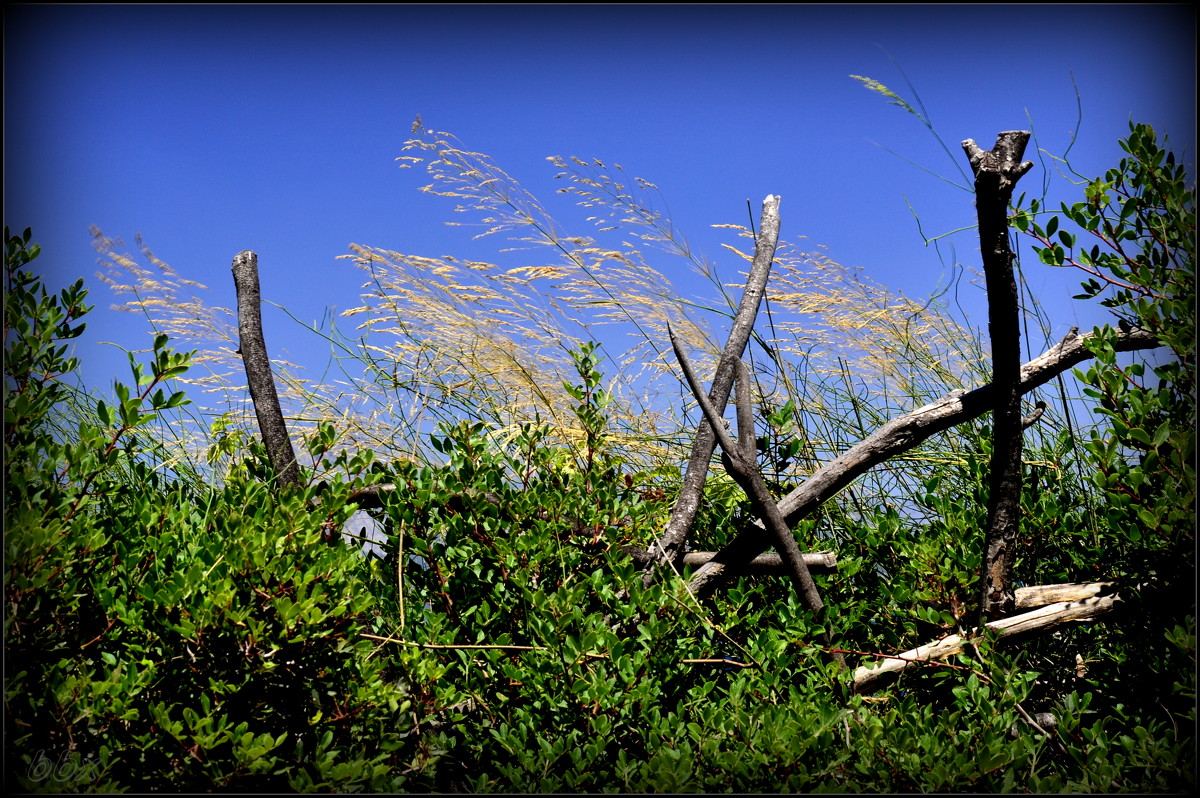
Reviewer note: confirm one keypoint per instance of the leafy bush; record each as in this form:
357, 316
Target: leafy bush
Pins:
163, 635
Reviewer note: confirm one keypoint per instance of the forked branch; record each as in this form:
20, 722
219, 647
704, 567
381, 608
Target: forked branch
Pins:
996, 175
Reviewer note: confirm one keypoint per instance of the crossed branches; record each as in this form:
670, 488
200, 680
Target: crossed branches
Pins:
997, 172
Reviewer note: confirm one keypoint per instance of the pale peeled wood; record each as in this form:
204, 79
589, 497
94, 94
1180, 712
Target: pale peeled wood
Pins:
1046, 617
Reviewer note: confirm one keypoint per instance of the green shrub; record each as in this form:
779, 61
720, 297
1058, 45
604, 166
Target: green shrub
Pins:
163, 635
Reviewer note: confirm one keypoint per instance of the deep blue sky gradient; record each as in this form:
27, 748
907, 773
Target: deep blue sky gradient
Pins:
213, 129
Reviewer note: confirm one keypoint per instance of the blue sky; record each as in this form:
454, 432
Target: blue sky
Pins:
213, 129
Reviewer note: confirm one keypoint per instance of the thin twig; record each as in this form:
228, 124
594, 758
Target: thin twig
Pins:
720, 661
480, 647
488, 647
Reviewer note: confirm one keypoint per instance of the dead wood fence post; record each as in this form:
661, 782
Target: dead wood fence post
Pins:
996, 174
253, 349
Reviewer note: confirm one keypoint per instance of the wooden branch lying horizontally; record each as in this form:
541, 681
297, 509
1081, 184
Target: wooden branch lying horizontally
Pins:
768, 564
899, 435
1041, 595
1097, 603
499, 647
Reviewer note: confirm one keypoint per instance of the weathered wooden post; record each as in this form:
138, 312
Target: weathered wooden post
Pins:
996, 174
253, 349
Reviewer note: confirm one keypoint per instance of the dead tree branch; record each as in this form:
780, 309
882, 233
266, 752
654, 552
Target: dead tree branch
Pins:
1086, 609
740, 462
1041, 595
253, 349
1031, 419
768, 564
897, 436
670, 544
744, 471
996, 175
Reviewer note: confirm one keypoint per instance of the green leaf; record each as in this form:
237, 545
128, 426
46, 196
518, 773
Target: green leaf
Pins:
104, 414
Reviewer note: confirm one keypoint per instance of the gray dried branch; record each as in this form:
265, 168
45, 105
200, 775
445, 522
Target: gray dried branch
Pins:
253, 348
745, 472
739, 460
670, 544
1097, 602
768, 564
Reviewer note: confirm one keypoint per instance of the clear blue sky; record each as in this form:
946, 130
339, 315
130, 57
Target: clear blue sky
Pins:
213, 129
